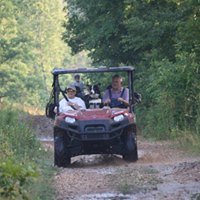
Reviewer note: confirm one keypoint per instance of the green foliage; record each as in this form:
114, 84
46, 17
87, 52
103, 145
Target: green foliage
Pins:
17, 135
162, 39
20, 153
121, 31
30, 47
172, 97
149, 25
100, 24
18, 146
188, 140
43, 188
13, 177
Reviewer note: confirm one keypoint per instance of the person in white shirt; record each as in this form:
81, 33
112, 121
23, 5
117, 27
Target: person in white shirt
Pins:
74, 103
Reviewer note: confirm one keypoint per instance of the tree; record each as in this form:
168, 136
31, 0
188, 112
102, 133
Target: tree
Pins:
161, 38
95, 26
122, 31
31, 46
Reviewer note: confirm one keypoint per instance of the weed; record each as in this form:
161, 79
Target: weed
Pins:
25, 170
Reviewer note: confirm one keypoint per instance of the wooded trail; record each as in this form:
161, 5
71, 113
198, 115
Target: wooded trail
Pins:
163, 171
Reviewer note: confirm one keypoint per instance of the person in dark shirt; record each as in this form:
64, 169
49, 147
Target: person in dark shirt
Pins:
79, 85
116, 96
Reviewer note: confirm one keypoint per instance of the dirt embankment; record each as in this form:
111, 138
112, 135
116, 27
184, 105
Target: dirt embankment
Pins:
162, 172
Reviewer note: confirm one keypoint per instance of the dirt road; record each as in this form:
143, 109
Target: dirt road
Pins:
162, 172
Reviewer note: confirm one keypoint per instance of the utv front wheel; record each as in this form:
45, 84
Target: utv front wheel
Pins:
61, 154
130, 148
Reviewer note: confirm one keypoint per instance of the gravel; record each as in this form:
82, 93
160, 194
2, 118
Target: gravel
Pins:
162, 172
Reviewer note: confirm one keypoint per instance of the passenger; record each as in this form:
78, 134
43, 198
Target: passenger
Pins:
79, 86
116, 95
74, 103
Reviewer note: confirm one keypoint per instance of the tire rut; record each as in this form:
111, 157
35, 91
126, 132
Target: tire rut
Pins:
162, 172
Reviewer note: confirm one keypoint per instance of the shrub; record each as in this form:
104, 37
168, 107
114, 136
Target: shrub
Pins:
19, 154
13, 177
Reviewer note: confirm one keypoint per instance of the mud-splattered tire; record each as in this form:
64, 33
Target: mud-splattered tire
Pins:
61, 153
130, 148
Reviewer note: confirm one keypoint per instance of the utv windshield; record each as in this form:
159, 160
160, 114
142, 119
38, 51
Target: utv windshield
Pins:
101, 75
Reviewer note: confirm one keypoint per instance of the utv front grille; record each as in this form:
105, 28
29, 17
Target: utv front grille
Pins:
95, 136
94, 129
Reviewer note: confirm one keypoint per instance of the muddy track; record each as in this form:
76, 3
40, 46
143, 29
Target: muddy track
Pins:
162, 172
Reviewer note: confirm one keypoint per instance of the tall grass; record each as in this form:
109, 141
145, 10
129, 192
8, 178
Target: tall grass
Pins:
18, 136
187, 140
23, 169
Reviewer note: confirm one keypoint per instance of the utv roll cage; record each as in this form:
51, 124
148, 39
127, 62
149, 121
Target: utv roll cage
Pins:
58, 71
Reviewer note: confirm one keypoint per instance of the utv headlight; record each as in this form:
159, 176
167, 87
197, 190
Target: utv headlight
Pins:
70, 120
118, 118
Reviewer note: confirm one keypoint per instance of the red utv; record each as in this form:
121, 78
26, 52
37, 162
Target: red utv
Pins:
96, 130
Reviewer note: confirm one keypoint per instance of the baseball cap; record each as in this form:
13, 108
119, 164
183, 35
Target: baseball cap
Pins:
71, 86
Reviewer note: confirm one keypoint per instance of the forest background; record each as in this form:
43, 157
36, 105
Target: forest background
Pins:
160, 38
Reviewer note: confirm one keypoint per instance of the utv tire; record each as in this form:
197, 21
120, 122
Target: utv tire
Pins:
61, 154
130, 153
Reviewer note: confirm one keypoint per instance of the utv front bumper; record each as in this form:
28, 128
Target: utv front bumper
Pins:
94, 130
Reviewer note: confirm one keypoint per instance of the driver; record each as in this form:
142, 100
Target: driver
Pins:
116, 96
73, 103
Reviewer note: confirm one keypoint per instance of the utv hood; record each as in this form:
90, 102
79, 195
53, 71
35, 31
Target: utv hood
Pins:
91, 114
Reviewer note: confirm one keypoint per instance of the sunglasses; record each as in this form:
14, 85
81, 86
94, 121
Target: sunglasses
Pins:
70, 90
